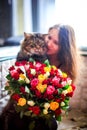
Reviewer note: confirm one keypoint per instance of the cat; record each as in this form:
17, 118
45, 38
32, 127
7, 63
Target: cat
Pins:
33, 46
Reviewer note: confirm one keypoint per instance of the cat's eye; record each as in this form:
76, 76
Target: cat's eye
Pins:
32, 46
43, 46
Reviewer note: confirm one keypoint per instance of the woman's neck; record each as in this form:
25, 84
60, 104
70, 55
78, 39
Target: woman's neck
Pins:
53, 60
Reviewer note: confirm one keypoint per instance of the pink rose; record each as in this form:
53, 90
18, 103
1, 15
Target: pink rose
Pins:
38, 66
14, 74
55, 81
50, 89
34, 82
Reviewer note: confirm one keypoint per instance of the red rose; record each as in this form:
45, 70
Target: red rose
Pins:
22, 89
21, 63
38, 94
16, 97
11, 68
73, 87
52, 72
62, 97
35, 110
58, 112
58, 100
56, 92
50, 97
70, 94
14, 74
30, 76
20, 71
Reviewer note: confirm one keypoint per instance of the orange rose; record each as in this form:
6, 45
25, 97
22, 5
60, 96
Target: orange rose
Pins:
21, 101
54, 105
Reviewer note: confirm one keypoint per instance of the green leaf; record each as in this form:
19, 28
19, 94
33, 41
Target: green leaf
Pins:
27, 113
21, 82
59, 91
58, 118
9, 77
27, 89
65, 107
47, 62
31, 60
66, 87
21, 114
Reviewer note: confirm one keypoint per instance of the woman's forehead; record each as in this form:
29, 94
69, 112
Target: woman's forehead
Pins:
53, 33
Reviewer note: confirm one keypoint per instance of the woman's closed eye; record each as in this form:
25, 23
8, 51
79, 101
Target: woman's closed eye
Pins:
49, 37
56, 42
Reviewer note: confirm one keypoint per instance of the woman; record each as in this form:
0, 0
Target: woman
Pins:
62, 50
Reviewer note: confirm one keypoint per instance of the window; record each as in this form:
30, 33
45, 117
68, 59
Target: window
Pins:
73, 12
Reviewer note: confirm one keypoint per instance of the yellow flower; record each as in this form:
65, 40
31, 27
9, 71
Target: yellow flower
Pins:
69, 89
21, 102
22, 76
54, 67
54, 105
64, 75
47, 69
41, 87
41, 78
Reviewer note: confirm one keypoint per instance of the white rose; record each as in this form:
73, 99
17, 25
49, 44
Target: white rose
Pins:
46, 105
33, 71
65, 92
62, 104
47, 74
45, 111
27, 80
31, 103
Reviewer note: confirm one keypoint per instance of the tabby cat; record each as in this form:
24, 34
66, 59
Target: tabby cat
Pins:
33, 46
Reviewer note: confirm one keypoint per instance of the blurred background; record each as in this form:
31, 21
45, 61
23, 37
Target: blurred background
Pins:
18, 16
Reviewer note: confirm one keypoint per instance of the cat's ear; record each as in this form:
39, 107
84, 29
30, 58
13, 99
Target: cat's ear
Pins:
45, 35
27, 34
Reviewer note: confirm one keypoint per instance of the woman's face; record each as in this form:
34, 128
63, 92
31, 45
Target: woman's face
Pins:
52, 42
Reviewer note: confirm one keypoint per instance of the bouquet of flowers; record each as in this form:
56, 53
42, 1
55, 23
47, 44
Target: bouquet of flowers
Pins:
39, 89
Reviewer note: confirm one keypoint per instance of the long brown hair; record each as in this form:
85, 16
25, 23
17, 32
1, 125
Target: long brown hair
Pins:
68, 53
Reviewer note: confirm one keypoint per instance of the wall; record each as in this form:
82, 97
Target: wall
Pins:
79, 100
